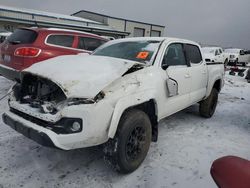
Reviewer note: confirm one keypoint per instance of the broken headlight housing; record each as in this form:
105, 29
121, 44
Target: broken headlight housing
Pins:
78, 101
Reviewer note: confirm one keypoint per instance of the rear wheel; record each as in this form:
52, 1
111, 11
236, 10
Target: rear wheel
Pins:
130, 146
208, 106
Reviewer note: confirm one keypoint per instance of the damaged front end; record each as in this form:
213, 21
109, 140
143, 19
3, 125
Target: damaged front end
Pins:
41, 101
70, 107
41, 111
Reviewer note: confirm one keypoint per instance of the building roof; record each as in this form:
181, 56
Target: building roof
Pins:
116, 18
46, 14
47, 19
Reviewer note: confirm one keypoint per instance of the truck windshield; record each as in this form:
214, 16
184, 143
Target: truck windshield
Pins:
142, 51
208, 50
232, 51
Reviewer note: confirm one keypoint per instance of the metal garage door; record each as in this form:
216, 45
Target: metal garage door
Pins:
139, 32
155, 33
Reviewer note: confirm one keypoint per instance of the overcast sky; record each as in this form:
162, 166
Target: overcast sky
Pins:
220, 22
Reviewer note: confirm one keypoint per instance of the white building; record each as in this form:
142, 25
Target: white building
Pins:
134, 28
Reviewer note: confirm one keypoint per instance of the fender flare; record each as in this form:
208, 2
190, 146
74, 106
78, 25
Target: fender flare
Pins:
125, 103
210, 87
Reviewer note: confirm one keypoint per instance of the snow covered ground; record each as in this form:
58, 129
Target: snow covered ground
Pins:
181, 158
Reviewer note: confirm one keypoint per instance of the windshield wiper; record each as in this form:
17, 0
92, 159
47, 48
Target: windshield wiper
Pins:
15, 42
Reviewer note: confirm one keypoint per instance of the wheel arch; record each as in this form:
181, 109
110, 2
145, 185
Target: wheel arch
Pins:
146, 103
149, 107
217, 85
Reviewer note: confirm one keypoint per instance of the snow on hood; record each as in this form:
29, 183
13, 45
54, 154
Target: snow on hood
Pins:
81, 76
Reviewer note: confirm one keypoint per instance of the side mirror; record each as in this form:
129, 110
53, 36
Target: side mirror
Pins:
172, 87
164, 66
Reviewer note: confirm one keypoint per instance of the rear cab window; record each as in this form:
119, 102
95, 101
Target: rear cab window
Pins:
193, 54
60, 40
22, 36
89, 44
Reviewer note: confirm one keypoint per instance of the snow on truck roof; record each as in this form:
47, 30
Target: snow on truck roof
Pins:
160, 39
211, 48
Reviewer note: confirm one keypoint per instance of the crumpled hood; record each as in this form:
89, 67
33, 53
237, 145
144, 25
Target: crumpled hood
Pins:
81, 76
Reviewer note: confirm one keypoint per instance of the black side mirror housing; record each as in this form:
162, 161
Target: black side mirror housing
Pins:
165, 66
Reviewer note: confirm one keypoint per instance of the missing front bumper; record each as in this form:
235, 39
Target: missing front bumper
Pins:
39, 137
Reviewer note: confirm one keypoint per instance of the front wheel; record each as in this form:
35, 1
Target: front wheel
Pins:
208, 106
128, 149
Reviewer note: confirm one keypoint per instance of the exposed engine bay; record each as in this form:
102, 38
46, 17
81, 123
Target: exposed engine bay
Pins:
39, 93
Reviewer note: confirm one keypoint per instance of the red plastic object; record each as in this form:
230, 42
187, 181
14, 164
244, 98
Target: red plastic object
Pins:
231, 172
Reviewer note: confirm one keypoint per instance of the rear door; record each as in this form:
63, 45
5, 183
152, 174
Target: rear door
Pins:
177, 69
89, 44
219, 56
58, 44
198, 72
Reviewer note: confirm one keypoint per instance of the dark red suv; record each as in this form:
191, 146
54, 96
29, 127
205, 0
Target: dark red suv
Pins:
27, 46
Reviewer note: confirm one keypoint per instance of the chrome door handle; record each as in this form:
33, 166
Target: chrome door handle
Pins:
187, 76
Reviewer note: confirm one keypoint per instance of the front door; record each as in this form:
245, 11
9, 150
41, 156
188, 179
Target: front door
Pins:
174, 62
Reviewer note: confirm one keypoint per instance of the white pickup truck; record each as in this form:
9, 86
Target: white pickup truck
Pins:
115, 97
237, 57
215, 54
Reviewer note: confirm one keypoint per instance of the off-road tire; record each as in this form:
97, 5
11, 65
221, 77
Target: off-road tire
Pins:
208, 106
134, 131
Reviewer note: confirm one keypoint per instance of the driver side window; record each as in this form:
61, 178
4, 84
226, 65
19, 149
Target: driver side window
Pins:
174, 56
